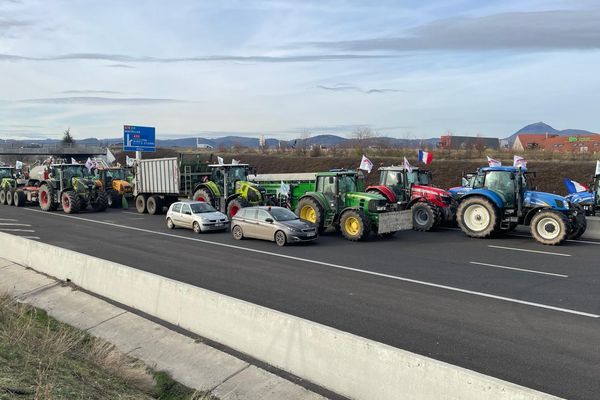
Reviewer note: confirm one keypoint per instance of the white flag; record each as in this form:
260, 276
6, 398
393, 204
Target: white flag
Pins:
234, 161
74, 161
519, 162
366, 164
597, 168
407, 165
110, 157
129, 161
284, 189
89, 164
220, 160
19, 164
493, 163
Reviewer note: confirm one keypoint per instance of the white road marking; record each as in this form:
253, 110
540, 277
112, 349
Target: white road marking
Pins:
30, 237
16, 230
518, 269
12, 224
529, 251
7, 219
362, 271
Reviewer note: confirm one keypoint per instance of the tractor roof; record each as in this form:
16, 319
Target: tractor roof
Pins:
337, 172
396, 168
502, 168
228, 165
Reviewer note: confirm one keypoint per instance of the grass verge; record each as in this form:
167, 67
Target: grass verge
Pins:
42, 358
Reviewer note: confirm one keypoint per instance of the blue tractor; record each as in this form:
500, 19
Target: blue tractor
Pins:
590, 199
499, 199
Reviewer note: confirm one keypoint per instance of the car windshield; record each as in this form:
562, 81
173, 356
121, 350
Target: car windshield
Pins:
282, 214
199, 208
347, 183
5, 173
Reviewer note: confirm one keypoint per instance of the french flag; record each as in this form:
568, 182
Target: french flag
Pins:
575, 187
425, 157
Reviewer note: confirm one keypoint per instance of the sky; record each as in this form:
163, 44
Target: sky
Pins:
284, 68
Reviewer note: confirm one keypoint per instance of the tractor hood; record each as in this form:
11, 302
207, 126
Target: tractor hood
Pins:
357, 196
459, 191
421, 190
542, 199
581, 198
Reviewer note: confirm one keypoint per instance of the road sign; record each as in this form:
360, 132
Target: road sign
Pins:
139, 138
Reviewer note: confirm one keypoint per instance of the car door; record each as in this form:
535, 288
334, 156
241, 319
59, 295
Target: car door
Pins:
186, 216
265, 230
176, 214
249, 224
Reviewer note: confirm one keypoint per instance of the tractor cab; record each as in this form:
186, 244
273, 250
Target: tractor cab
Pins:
501, 180
335, 185
225, 176
7, 172
400, 180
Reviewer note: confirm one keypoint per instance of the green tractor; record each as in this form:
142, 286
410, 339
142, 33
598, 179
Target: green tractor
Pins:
336, 199
66, 185
8, 185
227, 188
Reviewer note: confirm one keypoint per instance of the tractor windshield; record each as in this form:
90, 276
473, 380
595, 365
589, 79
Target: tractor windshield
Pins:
503, 183
199, 208
418, 178
5, 173
238, 174
116, 174
72, 171
282, 214
347, 183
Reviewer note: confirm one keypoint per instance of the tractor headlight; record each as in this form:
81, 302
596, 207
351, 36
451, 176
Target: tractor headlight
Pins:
561, 204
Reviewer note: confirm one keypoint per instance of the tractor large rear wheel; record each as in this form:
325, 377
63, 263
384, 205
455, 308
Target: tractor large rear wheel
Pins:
100, 203
310, 210
2, 196
71, 202
205, 195
113, 198
477, 217
236, 205
46, 198
154, 205
425, 216
549, 227
355, 225
580, 224
19, 198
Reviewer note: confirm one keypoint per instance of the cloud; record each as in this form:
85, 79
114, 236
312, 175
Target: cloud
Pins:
100, 100
120, 66
520, 31
140, 59
342, 87
87, 91
8, 24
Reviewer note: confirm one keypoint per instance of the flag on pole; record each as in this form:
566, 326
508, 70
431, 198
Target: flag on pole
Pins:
129, 161
493, 163
234, 161
425, 157
575, 187
74, 161
220, 160
18, 164
284, 189
597, 168
89, 164
110, 157
519, 162
365, 164
407, 165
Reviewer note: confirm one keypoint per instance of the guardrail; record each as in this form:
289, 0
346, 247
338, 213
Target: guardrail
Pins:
347, 364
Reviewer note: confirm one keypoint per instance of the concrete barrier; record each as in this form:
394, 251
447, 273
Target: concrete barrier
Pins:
593, 228
344, 363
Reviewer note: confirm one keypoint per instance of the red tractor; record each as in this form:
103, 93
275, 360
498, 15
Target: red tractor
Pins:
413, 190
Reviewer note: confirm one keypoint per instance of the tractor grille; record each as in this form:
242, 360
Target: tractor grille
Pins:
377, 205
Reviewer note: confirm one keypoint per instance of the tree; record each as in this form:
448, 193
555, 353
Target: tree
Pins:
67, 137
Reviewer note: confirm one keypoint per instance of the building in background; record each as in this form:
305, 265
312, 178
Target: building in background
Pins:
202, 145
555, 143
452, 142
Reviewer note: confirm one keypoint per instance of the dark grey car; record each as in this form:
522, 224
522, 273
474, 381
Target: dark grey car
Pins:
276, 224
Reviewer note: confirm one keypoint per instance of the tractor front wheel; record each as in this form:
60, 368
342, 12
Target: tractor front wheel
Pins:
580, 224
310, 210
425, 216
154, 205
10, 197
100, 203
549, 227
235, 205
477, 217
204, 195
71, 203
46, 198
113, 198
355, 225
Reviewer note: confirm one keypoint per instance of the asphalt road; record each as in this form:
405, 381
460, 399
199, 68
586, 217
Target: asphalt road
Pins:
506, 307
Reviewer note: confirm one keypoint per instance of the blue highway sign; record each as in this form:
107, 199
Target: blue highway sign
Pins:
139, 138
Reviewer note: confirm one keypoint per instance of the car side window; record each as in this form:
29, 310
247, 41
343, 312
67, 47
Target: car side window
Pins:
263, 215
250, 214
177, 208
241, 214
186, 209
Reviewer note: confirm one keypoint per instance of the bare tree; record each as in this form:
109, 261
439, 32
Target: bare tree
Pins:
302, 144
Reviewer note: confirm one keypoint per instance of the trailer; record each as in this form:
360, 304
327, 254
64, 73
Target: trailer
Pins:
156, 183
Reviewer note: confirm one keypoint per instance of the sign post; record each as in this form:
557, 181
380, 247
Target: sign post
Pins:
139, 139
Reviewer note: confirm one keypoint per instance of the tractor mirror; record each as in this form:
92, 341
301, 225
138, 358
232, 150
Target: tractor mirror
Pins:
269, 220
331, 180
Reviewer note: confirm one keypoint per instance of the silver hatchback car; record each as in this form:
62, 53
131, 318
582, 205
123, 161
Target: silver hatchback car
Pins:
276, 224
197, 215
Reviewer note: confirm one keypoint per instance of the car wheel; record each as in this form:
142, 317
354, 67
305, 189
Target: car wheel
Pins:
237, 233
197, 228
170, 223
280, 238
